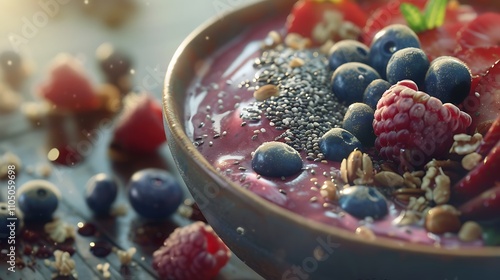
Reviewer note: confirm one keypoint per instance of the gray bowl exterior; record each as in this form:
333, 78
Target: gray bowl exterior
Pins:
274, 242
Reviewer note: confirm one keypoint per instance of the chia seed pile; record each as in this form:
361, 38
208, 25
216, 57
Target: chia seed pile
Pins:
305, 108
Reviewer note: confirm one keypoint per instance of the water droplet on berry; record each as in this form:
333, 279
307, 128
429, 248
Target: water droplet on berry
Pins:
240, 230
390, 47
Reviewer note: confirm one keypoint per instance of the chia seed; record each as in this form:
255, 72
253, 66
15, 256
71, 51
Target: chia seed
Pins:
306, 109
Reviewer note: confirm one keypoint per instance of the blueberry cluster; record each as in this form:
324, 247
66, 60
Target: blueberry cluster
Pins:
361, 74
153, 193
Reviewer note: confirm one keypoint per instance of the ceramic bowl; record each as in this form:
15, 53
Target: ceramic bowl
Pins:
274, 242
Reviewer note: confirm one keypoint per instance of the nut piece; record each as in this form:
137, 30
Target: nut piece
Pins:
365, 232
357, 169
296, 62
329, 26
329, 191
470, 231
6, 160
442, 219
297, 42
272, 40
388, 179
420, 205
465, 144
471, 160
413, 179
351, 166
326, 47
407, 218
265, 92
436, 185
442, 191
405, 194
365, 174
428, 182
349, 30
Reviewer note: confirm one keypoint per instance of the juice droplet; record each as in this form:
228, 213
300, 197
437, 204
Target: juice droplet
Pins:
44, 252
86, 229
240, 230
66, 248
30, 236
100, 249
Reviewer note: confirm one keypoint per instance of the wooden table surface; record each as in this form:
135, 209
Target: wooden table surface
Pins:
150, 33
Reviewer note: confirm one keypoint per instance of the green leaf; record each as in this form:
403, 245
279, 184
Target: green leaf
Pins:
414, 17
435, 12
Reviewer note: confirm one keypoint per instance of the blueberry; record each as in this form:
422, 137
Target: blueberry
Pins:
338, 143
387, 41
347, 51
408, 64
10, 61
100, 193
350, 80
448, 79
363, 201
154, 193
8, 226
114, 63
38, 200
358, 120
276, 159
374, 91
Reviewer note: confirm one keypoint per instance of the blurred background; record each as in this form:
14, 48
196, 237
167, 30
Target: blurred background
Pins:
148, 31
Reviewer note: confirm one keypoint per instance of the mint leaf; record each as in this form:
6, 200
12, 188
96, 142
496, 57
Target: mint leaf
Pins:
435, 12
413, 16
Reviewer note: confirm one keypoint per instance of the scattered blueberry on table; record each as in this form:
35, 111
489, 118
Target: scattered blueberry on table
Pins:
100, 193
38, 200
154, 193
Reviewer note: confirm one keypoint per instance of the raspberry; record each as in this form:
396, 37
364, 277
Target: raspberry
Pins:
191, 252
412, 127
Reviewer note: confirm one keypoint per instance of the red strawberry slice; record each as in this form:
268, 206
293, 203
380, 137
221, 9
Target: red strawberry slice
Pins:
479, 59
385, 15
484, 105
440, 41
68, 87
490, 139
324, 20
456, 15
140, 127
192, 252
372, 5
484, 207
479, 179
484, 31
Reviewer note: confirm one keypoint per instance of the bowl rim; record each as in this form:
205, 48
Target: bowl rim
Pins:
176, 128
